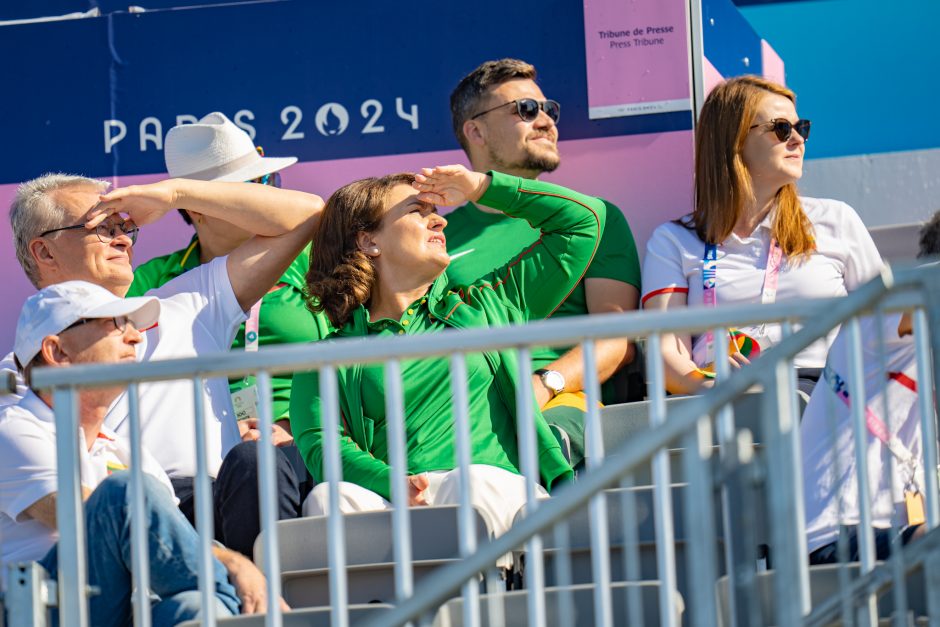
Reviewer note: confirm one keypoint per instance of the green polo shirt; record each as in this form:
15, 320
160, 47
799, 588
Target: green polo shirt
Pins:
428, 404
283, 318
489, 240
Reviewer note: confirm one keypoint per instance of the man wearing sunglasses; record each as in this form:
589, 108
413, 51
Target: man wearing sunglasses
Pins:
201, 310
504, 123
75, 323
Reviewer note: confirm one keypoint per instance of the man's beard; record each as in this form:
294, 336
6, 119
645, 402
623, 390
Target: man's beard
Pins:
532, 162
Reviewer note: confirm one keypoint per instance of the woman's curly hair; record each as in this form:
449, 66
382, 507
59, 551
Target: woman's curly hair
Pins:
341, 276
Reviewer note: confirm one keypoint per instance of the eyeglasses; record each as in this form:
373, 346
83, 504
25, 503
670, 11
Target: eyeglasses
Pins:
528, 109
273, 179
120, 323
106, 231
783, 128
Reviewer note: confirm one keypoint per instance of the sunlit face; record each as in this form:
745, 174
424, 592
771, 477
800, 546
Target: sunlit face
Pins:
78, 254
100, 341
511, 143
410, 239
773, 163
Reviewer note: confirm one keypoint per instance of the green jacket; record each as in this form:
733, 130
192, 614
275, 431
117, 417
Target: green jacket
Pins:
530, 287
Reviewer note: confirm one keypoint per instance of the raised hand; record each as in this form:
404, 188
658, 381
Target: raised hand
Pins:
450, 185
144, 204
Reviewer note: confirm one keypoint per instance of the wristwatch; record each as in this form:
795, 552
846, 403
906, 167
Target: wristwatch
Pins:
553, 380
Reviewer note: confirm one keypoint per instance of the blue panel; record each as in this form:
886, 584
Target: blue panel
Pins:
29, 9
264, 57
729, 39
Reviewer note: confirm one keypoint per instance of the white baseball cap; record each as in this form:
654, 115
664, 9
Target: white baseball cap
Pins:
55, 308
214, 149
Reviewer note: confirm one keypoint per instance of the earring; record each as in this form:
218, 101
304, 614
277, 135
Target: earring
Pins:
375, 250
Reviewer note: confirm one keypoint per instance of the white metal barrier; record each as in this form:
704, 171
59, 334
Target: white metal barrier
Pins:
689, 425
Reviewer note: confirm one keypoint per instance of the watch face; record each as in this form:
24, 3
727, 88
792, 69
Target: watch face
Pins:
554, 380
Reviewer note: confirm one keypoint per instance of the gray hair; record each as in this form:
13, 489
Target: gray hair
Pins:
34, 211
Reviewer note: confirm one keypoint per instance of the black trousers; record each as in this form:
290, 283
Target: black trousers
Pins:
236, 506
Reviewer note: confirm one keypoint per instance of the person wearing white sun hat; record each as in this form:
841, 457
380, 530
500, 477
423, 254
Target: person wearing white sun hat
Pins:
75, 323
215, 149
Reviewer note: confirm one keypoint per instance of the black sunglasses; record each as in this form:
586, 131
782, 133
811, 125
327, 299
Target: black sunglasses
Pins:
528, 109
106, 231
783, 128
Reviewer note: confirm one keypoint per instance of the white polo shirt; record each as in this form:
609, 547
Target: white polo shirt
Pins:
845, 257
199, 315
828, 444
28, 473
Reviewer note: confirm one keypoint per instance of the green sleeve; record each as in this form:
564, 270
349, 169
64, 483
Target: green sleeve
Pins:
359, 466
146, 277
616, 256
540, 278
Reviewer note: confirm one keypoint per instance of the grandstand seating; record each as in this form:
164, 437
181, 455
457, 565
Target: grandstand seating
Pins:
516, 613
303, 550
824, 584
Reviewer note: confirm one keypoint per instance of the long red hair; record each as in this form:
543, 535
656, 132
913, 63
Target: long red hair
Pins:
722, 182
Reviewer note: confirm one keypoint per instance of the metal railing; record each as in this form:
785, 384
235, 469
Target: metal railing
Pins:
689, 425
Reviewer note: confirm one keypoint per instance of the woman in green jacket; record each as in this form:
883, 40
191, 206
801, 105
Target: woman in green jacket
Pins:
377, 269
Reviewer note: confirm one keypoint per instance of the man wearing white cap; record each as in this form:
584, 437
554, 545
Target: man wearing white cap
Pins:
74, 323
214, 149
65, 229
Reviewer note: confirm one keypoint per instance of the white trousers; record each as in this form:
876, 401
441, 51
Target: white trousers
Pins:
496, 493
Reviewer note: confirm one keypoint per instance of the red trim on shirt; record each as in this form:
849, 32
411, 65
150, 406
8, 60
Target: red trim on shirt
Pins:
665, 290
904, 380
104, 437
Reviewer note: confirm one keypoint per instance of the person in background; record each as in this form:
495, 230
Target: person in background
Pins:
214, 149
751, 238
830, 487
377, 270
74, 323
66, 228
503, 122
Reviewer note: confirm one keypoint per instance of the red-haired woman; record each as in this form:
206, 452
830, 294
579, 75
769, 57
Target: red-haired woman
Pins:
377, 269
750, 237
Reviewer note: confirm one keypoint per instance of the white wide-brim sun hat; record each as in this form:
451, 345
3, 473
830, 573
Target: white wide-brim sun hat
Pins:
55, 308
214, 149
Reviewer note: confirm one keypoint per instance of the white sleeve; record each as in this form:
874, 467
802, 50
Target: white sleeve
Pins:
863, 261
28, 466
207, 292
7, 369
662, 266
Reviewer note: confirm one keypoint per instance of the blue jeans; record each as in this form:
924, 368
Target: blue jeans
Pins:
173, 550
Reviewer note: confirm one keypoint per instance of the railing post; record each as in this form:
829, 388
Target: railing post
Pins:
398, 460
267, 497
205, 518
662, 487
140, 554
70, 516
777, 413
336, 535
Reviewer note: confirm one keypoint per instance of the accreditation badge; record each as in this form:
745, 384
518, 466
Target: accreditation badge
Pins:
245, 403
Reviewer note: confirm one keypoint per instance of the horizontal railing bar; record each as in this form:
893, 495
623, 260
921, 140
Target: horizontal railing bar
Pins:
560, 332
630, 454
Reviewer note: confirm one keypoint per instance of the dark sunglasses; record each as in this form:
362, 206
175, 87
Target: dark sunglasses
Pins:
528, 109
783, 128
106, 231
120, 323
273, 179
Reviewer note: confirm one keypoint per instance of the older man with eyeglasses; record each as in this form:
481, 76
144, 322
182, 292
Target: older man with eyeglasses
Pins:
74, 323
66, 228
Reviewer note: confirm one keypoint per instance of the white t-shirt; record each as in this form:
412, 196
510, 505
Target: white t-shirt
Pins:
845, 257
199, 315
825, 493
28, 473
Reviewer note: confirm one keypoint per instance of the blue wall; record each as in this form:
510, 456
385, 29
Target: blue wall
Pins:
865, 71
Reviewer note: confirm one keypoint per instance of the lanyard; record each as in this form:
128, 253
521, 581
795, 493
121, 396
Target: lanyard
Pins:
710, 282
875, 425
251, 328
